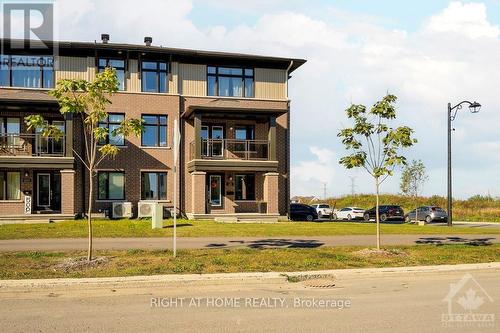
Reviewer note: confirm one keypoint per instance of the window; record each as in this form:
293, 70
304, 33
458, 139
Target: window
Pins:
112, 122
154, 77
9, 132
10, 185
245, 187
111, 185
230, 81
27, 71
117, 64
153, 186
244, 133
155, 131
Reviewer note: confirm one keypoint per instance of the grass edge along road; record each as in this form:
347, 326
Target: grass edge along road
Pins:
31, 265
189, 228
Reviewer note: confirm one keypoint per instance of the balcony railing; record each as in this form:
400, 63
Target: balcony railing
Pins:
15, 144
231, 149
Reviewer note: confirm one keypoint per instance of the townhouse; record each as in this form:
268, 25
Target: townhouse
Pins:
234, 116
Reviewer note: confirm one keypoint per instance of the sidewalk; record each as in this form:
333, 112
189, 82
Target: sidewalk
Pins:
253, 277
57, 244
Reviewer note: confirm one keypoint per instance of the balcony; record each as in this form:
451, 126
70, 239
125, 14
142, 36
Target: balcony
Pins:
231, 149
31, 145
20, 150
231, 154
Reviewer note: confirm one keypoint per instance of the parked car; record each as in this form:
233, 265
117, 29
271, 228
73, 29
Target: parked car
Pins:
427, 214
386, 212
302, 212
349, 213
323, 210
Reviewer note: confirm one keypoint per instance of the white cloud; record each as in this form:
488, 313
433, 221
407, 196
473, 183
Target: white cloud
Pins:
464, 18
309, 176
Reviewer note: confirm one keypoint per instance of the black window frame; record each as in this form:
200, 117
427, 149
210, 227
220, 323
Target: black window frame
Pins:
107, 123
41, 69
158, 71
99, 173
158, 173
249, 130
243, 76
158, 126
4, 189
238, 192
124, 68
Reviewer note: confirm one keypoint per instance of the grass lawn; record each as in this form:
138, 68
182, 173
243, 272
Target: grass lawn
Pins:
186, 228
28, 265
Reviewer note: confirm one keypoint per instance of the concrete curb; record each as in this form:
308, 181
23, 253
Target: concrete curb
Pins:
256, 277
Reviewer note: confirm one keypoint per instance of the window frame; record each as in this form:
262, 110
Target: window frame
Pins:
40, 69
157, 71
243, 77
236, 185
5, 188
158, 126
158, 184
99, 67
107, 185
107, 123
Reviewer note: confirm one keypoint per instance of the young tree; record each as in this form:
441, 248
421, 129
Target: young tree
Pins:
413, 179
374, 145
88, 101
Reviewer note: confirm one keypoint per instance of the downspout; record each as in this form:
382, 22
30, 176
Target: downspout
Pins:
288, 144
288, 76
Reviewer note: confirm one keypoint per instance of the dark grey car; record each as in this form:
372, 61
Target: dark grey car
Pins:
428, 214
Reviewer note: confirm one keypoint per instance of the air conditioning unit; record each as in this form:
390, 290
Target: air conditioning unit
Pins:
145, 209
122, 209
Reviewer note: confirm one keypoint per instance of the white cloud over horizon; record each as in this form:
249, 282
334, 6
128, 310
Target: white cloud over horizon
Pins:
449, 58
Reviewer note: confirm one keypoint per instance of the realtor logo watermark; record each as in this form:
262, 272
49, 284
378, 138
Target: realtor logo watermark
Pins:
28, 26
465, 300
250, 303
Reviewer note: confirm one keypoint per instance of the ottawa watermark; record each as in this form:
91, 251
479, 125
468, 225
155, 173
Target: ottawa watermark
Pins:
250, 303
465, 299
28, 27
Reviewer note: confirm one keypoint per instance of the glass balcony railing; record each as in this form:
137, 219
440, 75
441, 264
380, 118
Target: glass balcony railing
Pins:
16, 144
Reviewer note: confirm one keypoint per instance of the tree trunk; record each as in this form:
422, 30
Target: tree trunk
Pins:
377, 214
89, 216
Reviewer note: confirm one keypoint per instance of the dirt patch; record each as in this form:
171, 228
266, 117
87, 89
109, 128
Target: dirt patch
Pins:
72, 264
381, 253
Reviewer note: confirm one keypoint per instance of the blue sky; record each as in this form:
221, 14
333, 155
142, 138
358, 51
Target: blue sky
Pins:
428, 53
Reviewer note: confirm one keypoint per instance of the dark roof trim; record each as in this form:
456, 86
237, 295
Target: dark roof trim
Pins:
86, 48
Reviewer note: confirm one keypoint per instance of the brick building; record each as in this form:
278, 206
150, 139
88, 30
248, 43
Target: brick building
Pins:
233, 111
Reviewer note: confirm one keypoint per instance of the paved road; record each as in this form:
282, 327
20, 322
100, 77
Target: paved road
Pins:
239, 242
411, 302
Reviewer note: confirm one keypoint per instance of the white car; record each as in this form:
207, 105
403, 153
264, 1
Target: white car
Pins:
323, 210
349, 213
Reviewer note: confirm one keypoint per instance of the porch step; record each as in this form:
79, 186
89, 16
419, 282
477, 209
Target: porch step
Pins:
237, 217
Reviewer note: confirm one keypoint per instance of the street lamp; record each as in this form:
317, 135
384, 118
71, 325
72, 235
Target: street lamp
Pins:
474, 107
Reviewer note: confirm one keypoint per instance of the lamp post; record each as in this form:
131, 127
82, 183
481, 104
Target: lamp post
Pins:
474, 107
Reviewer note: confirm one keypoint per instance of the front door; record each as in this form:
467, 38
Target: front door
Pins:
215, 191
48, 192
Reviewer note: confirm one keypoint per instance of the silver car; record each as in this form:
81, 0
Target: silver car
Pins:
428, 214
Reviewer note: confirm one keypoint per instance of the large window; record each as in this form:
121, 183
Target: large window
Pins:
155, 131
112, 122
154, 77
118, 65
111, 185
27, 71
153, 186
230, 81
245, 187
10, 185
